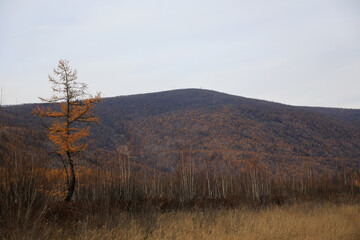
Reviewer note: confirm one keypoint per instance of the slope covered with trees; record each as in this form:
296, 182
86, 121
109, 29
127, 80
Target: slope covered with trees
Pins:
183, 149
210, 128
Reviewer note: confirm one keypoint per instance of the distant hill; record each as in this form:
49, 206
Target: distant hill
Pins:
209, 128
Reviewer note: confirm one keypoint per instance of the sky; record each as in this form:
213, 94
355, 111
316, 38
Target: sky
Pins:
295, 52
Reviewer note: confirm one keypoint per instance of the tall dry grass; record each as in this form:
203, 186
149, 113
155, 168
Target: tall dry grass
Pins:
297, 221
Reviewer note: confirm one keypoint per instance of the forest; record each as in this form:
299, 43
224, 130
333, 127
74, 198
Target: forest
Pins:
192, 155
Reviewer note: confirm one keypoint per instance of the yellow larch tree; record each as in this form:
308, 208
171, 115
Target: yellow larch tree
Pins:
74, 108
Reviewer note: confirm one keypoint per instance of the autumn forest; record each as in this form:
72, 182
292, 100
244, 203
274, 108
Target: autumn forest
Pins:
79, 161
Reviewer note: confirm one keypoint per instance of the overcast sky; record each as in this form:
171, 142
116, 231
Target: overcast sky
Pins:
296, 52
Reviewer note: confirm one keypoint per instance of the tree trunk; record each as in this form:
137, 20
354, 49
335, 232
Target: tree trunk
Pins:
72, 182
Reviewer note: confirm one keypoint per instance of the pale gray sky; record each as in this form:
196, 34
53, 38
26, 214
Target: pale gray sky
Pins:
296, 52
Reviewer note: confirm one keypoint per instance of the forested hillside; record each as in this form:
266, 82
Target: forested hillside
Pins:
176, 150
213, 129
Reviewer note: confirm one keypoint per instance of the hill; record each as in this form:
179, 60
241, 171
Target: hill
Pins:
215, 130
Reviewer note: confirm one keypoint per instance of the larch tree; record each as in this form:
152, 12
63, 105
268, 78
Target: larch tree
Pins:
71, 118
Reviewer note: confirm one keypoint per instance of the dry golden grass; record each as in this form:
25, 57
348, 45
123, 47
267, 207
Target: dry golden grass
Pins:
299, 221
296, 222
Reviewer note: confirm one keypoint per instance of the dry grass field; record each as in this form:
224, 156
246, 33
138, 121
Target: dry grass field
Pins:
297, 221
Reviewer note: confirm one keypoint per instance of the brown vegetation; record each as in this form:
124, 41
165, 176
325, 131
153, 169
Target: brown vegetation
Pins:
172, 182
121, 204
217, 130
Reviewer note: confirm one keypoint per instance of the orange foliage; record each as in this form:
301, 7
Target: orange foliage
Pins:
73, 109
76, 106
